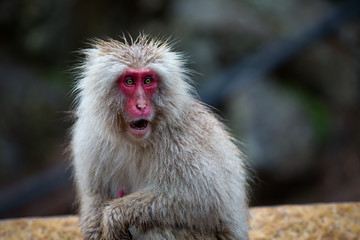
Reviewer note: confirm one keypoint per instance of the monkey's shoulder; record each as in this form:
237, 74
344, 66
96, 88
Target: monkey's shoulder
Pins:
203, 116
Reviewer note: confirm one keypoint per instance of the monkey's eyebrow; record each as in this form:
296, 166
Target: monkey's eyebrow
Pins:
127, 77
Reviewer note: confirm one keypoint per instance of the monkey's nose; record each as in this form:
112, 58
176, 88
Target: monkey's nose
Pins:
141, 106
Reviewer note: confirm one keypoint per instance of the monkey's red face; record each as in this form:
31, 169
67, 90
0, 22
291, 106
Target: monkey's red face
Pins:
138, 85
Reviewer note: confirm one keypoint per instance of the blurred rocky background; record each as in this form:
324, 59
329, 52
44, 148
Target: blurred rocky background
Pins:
284, 75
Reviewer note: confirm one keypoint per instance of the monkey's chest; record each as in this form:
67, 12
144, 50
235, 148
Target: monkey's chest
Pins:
125, 181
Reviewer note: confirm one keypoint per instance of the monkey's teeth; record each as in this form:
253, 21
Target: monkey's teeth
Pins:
139, 125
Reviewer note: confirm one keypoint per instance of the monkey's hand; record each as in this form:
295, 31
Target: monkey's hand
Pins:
122, 213
146, 210
91, 229
114, 224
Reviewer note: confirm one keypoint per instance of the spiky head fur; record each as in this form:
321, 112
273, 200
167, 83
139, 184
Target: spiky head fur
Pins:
104, 62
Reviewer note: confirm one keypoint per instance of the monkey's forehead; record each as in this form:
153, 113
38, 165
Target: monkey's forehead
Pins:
135, 54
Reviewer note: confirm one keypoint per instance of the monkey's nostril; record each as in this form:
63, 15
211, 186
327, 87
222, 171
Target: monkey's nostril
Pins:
141, 106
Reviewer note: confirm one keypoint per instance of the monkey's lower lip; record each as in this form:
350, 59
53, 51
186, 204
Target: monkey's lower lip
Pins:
139, 128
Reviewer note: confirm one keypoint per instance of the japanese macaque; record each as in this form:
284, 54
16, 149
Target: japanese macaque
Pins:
151, 161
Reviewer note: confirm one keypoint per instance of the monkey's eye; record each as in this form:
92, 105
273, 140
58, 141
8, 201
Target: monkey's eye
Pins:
147, 81
129, 82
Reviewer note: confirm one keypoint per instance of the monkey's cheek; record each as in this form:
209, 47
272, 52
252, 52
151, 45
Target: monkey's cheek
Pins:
139, 133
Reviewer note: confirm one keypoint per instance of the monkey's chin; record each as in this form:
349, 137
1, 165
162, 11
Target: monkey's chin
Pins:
139, 128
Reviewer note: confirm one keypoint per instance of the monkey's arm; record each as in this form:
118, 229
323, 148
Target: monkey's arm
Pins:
90, 216
147, 209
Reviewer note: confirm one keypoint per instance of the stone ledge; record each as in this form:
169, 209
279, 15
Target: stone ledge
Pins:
318, 221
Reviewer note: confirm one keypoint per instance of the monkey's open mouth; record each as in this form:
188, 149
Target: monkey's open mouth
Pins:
139, 128
139, 124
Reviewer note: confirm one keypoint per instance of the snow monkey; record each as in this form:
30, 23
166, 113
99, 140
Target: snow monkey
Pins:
151, 161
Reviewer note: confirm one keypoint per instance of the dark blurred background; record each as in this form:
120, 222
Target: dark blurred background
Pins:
285, 76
